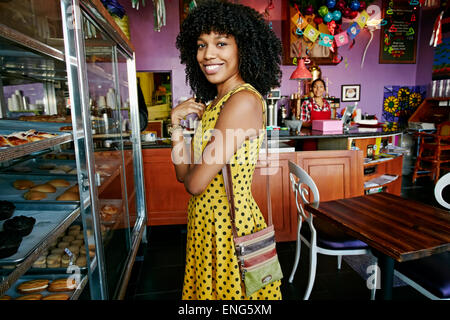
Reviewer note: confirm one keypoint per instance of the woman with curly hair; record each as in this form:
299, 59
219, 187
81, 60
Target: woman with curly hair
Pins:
232, 59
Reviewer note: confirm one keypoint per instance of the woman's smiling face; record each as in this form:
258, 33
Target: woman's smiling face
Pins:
218, 57
318, 89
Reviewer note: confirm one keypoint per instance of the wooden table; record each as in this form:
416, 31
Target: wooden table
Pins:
397, 229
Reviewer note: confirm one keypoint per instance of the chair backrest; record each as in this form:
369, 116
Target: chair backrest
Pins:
299, 180
439, 187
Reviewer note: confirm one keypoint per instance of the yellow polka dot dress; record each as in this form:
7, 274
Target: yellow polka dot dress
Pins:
212, 270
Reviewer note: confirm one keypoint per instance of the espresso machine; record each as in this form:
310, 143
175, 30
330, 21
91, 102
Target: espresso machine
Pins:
272, 109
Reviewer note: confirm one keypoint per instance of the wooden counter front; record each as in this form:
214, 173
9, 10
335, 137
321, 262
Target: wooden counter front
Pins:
338, 174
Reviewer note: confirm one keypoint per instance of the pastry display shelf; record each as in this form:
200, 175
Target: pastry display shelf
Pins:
10, 153
6, 281
81, 279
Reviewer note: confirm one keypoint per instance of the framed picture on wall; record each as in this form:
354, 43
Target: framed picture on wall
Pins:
350, 92
295, 45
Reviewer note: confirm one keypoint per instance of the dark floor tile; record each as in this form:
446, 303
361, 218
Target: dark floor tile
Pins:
158, 279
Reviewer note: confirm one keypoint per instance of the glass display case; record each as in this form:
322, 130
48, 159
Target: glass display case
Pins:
70, 151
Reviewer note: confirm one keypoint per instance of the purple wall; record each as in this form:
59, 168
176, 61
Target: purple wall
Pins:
156, 51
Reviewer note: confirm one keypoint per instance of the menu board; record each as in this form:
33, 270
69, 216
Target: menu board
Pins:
399, 28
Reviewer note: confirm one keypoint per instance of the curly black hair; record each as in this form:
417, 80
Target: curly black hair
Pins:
259, 47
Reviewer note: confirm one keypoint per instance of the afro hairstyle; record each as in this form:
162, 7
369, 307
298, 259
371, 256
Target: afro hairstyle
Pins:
259, 47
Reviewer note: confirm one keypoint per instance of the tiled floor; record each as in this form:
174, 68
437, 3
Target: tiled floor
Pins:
159, 274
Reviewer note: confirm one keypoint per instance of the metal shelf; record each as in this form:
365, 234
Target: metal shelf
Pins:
8, 280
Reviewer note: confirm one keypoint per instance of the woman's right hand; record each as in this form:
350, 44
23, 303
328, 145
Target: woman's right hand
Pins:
186, 107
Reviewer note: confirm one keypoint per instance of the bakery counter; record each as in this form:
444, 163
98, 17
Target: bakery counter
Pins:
338, 174
353, 132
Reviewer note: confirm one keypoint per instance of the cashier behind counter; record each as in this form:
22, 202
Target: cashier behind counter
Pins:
316, 107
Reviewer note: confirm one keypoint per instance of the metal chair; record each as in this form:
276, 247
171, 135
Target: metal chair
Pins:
319, 236
431, 275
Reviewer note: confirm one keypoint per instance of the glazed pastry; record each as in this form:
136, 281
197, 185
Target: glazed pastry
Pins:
74, 189
23, 184
78, 243
15, 141
35, 195
3, 142
81, 261
58, 251
33, 286
68, 238
73, 233
21, 224
63, 244
40, 262
36, 296
9, 243
6, 209
68, 196
47, 188
65, 284
65, 260
59, 183
57, 296
74, 249
75, 227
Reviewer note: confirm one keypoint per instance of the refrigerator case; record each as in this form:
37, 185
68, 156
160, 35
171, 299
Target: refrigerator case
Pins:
75, 70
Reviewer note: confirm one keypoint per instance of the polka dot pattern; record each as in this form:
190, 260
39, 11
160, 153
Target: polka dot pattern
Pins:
212, 270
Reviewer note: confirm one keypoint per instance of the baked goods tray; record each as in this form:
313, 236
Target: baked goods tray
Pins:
73, 295
9, 153
49, 217
12, 194
40, 166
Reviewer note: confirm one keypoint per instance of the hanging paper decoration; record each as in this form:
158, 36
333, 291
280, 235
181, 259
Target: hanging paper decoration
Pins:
299, 21
341, 38
353, 30
362, 19
326, 40
135, 4
320, 22
159, 13
311, 33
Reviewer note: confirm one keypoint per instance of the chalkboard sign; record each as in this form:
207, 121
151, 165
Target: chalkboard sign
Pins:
399, 31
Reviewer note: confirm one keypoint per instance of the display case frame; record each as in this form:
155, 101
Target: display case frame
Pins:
73, 54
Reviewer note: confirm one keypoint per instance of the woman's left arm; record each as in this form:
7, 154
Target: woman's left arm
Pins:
240, 119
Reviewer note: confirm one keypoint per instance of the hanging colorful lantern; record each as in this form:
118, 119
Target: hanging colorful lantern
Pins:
323, 10
331, 4
354, 5
337, 15
328, 17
